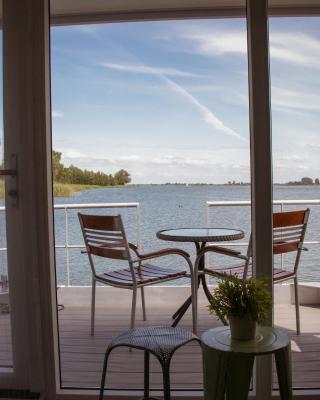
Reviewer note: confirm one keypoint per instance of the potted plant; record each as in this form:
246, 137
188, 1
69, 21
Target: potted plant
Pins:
243, 302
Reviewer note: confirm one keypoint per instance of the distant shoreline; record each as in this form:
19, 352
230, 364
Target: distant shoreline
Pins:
215, 184
69, 190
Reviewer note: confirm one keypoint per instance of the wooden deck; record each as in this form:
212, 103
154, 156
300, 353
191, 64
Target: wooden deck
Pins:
81, 355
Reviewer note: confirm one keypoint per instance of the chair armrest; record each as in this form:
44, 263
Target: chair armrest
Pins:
164, 252
219, 250
134, 248
223, 250
167, 252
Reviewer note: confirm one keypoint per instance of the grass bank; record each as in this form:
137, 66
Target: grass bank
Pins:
64, 189
1, 188
59, 189
69, 189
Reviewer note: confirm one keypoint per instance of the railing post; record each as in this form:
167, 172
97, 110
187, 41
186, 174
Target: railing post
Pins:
66, 242
281, 256
207, 214
138, 212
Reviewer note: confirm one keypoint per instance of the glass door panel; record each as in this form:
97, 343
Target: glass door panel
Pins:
166, 101
6, 362
295, 94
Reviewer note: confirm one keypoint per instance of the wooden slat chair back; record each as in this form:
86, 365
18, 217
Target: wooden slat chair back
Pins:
289, 230
104, 236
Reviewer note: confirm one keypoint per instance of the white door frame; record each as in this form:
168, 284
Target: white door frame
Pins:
27, 133
260, 164
27, 127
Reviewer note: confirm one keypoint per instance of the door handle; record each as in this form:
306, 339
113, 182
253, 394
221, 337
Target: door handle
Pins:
8, 172
11, 183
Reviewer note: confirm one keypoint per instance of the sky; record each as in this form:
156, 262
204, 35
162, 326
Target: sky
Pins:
168, 101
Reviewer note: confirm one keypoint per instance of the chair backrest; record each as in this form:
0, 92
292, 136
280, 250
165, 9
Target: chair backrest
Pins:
289, 229
104, 236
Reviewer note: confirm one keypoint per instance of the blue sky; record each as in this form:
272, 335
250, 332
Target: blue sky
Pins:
168, 101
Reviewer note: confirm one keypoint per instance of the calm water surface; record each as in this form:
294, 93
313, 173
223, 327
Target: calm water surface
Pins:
176, 206
165, 207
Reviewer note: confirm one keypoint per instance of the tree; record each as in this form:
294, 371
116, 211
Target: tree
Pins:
57, 166
306, 181
73, 174
122, 177
316, 181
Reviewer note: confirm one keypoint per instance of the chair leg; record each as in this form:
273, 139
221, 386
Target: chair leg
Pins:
93, 302
296, 301
104, 372
143, 304
146, 375
194, 299
133, 307
166, 381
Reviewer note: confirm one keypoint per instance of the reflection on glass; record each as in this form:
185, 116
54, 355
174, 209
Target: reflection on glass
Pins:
5, 324
166, 102
295, 96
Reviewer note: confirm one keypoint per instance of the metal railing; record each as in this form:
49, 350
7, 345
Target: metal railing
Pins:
281, 203
135, 205
67, 207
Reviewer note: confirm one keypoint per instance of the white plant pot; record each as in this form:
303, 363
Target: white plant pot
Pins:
242, 328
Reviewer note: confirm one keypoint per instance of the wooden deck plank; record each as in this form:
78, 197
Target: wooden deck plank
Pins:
82, 355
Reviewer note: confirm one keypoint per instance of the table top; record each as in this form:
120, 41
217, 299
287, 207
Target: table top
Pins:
200, 234
268, 340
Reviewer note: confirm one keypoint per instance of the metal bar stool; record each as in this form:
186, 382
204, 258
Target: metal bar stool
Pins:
161, 341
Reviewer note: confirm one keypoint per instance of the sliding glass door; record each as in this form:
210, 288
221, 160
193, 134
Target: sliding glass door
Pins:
6, 359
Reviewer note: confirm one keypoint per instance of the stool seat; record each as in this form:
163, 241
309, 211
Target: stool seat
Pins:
161, 341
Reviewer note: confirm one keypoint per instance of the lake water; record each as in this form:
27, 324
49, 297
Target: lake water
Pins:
176, 206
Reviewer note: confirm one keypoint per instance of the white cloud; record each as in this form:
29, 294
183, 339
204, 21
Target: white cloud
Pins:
86, 28
71, 153
207, 114
295, 48
143, 69
289, 157
132, 157
57, 114
295, 99
219, 43
168, 168
291, 47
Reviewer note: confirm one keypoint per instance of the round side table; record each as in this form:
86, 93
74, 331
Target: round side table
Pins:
228, 363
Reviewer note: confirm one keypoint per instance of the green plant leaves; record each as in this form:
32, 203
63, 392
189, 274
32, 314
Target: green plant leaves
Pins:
235, 296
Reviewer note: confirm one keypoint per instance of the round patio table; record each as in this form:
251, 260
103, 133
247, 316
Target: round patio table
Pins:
200, 237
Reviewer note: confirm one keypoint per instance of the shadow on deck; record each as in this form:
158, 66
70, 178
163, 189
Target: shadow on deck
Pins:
82, 355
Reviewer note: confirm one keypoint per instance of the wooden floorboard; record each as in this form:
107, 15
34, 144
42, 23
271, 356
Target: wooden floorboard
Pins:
81, 355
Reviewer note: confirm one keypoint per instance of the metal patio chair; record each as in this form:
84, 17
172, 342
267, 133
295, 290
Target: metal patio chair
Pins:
288, 235
105, 237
